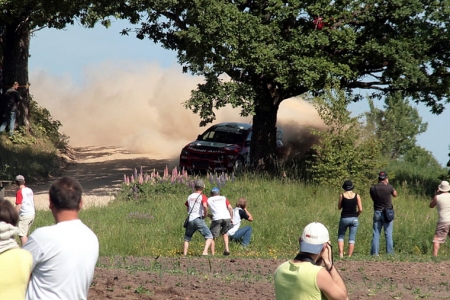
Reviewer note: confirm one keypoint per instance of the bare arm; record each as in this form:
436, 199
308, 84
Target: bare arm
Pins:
205, 209
250, 217
331, 284
18, 207
394, 192
329, 280
359, 203
230, 210
340, 201
433, 202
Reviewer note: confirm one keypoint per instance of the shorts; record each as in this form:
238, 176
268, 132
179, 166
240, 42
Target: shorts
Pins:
25, 223
220, 226
442, 231
194, 225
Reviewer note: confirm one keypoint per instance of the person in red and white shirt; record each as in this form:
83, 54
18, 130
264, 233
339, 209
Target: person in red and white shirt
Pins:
197, 209
221, 215
25, 208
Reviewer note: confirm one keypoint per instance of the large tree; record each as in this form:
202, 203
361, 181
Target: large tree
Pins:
18, 20
274, 49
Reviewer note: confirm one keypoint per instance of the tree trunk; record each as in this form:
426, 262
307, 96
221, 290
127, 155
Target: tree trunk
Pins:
263, 144
15, 46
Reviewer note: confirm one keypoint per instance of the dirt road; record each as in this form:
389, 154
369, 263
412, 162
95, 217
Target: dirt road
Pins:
100, 170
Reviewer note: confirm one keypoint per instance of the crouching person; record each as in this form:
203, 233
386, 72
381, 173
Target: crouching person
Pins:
236, 233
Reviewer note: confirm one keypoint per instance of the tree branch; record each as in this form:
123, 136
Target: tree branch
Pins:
37, 29
171, 16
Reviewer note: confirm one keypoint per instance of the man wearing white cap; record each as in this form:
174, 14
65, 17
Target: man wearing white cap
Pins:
311, 274
25, 208
442, 201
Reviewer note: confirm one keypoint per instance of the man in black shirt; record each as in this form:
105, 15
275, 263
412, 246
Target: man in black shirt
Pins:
381, 195
12, 98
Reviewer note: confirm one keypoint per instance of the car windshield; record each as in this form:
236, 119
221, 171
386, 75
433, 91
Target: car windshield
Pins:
227, 135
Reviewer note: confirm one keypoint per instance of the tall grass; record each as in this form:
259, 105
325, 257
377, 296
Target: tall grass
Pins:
33, 158
152, 226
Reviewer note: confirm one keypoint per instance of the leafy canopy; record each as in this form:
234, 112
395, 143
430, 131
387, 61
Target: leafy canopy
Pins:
396, 126
273, 47
344, 151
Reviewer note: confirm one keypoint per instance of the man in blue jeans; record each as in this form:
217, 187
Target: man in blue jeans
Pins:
381, 195
239, 213
197, 208
12, 98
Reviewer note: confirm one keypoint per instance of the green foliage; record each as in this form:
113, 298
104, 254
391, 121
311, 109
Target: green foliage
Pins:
46, 13
397, 126
281, 208
343, 152
139, 185
43, 125
271, 51
23, 154
419, 172
33, 154
422, 158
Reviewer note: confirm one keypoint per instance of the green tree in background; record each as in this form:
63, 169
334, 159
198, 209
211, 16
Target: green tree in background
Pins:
396, 127
344, 152
255, 54
20, 18
422, 158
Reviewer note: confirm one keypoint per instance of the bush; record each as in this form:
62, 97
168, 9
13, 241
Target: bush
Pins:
33, 154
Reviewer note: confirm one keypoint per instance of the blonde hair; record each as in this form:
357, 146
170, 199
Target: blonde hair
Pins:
242, 203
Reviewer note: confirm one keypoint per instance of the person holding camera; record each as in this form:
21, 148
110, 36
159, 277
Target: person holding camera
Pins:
240, 213
221, 215
381, 195
197, 208
311, 273
442, 201
351, 206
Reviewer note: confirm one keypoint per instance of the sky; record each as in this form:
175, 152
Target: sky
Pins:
114, 90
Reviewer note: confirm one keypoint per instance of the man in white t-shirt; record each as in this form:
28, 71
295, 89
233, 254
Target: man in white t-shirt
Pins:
25, 208
64, 254
221, 215
243, 234
197, 209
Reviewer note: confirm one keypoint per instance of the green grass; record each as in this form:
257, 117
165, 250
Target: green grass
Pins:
152, 226
35, 159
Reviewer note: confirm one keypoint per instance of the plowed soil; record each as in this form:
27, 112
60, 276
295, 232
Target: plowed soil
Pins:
235, 278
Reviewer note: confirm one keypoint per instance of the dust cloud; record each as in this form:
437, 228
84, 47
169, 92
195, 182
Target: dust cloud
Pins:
138, 107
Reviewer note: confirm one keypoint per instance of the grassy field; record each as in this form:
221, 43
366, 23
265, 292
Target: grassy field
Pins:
147, 220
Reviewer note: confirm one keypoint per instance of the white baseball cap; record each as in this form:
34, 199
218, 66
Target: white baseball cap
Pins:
314, 236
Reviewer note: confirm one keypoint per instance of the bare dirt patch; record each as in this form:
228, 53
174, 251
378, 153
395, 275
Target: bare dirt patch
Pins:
236, 278
100, 170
